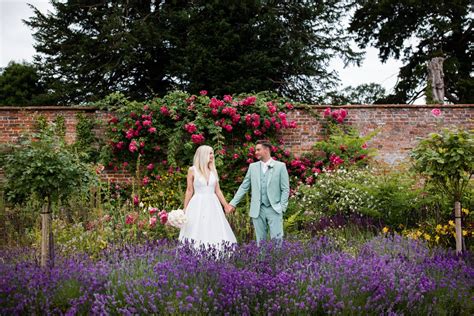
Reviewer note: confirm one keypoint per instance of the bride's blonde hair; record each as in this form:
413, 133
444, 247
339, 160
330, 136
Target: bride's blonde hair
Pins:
201, 161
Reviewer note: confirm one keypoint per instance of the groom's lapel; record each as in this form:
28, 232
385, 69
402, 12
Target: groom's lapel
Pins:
259, 172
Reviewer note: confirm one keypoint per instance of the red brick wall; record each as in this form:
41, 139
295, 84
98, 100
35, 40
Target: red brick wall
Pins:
400, 126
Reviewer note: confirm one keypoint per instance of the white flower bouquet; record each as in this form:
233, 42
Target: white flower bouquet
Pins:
177, 218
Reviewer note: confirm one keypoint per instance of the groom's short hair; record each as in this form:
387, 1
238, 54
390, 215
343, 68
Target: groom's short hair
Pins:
264, 143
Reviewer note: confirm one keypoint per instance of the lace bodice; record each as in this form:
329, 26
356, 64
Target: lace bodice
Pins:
200, 185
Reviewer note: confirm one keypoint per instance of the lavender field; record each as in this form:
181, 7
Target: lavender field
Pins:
388, 275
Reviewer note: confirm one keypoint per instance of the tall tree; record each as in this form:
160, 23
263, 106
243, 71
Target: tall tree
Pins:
416, 31
94, 47
239, 46
146, 47
20, 85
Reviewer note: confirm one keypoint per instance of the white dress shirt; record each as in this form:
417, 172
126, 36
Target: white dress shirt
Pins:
265, 165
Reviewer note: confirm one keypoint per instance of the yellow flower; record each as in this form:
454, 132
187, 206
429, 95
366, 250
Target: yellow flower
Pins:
465, 211
451, 223
439, 227
427, 236
418, 233
385, 230
464, 232
437, 238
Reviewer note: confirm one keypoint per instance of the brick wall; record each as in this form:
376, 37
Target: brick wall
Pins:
399, 126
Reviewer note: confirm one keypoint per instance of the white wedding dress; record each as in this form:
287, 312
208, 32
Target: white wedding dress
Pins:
206, 222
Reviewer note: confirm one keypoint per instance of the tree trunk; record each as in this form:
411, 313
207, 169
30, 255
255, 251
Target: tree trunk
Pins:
46, 235
457, 222
436, 77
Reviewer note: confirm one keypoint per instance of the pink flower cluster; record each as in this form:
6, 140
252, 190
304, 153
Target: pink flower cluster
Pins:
162, 215
336, 160
338, 115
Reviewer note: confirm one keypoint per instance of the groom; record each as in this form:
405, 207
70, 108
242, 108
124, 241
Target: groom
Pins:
270, 186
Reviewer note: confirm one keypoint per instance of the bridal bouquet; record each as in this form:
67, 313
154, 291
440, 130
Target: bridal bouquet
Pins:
177, 218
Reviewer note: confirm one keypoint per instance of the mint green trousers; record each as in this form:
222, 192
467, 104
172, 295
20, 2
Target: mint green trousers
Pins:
268, 220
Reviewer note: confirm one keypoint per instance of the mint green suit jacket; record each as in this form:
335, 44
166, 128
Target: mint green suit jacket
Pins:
278, 187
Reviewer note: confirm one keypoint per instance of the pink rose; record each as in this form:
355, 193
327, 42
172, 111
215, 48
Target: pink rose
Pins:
119, 145
153, 221
130, 133
130, 219
436, 112
145, 181
164, 110
146, 123
289, 106
203, 92
271, 108
152, 130
197, 138
248, 137
364, 146
336, 160
163, 217
327, 112
214, 112
150, 167
250, 160
249, 100
146, 108
136, 201
125, 164
267, 123
228, 128
133, 146
153, 210
190, 128
228, 98
236, 118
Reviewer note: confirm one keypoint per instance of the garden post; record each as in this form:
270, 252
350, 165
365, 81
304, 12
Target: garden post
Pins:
457, 222
46, 236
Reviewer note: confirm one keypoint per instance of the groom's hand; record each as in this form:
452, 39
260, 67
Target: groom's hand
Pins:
229, 209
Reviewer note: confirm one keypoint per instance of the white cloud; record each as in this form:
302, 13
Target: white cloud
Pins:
16, 41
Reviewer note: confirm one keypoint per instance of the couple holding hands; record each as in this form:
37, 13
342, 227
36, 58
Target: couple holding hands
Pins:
204, 203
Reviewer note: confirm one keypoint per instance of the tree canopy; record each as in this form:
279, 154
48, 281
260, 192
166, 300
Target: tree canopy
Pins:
20, 85
367, 93
88, 49
416, 31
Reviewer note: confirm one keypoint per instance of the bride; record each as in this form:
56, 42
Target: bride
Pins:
206, 222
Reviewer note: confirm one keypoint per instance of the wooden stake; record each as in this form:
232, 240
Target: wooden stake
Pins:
46, 234
457, 222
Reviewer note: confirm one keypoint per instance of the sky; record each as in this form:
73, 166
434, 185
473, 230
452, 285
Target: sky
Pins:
16, 44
